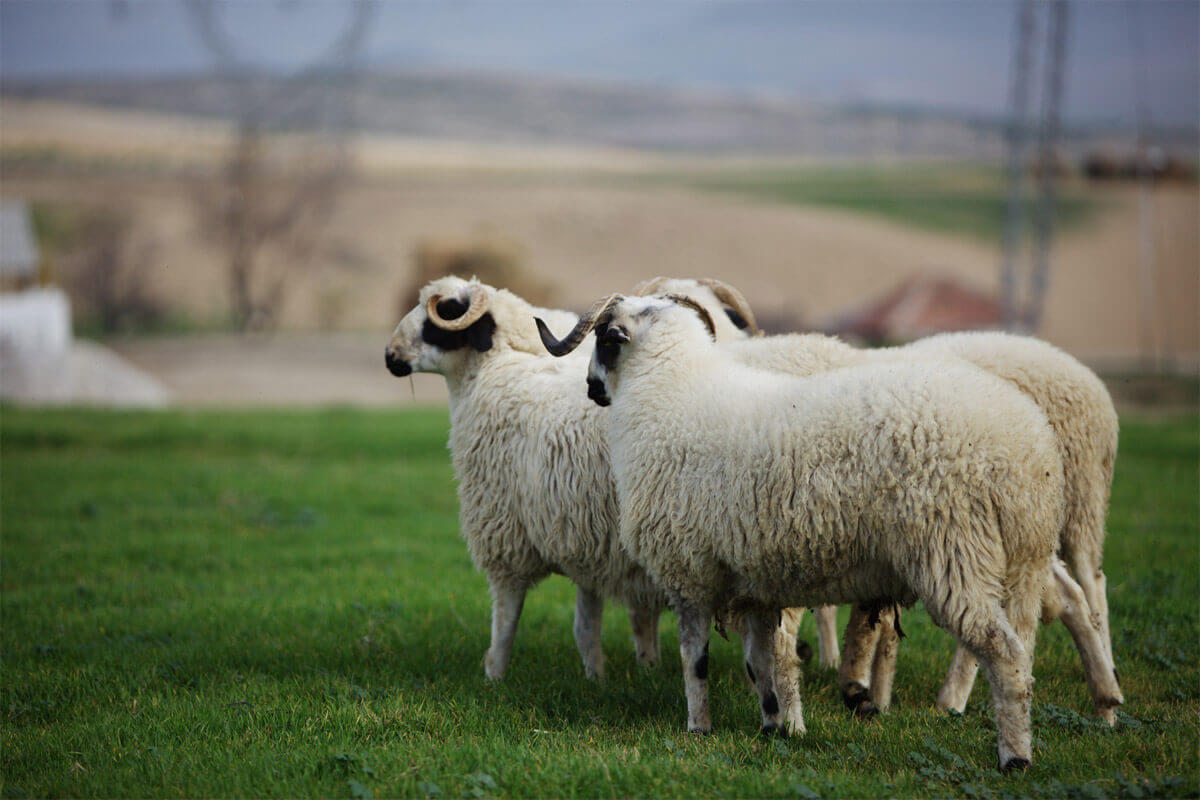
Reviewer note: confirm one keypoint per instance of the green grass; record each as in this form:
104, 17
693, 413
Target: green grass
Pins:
278, 604
959, 199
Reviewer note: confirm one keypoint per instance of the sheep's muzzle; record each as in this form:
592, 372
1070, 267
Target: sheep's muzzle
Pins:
395, 364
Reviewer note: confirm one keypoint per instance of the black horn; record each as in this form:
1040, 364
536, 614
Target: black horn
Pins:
557, 347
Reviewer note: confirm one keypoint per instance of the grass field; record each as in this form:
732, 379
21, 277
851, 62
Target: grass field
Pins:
278, 604
962, 199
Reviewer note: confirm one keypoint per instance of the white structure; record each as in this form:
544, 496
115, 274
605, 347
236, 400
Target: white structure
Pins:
18, 246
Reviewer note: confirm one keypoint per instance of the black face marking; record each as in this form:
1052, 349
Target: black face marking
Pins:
701, 665
750, 673
596, 392
770, 704
1116, 677
737, 319
606, 354
477, 336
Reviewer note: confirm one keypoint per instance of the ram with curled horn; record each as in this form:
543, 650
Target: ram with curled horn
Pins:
477, 306
535, 492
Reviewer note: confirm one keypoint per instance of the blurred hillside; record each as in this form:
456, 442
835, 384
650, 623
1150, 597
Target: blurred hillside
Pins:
527, 110
804, 241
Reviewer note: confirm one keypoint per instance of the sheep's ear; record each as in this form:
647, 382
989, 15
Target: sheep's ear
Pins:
479, 335
737, 319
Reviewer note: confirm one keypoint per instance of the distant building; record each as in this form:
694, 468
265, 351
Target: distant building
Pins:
920, 306
19, 257
41, 363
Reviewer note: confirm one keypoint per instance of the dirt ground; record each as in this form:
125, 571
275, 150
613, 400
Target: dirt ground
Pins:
589, 235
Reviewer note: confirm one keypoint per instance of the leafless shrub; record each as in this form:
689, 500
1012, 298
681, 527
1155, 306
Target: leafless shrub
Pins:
108, 275
492, 259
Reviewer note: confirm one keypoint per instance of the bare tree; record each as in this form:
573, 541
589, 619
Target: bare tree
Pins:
271, 215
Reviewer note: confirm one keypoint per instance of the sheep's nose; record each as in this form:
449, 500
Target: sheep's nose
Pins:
395, 364
597, 393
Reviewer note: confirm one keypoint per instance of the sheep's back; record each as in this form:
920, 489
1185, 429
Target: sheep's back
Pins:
768, 477
1077, 405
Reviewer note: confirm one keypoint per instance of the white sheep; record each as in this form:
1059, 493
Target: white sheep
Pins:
882, 483
1084, 421
519, 527
535, 491
734, 320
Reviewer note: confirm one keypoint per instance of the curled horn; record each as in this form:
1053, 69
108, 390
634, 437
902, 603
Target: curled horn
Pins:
701, 311
476, 308
648, 286
732, 298
581, 329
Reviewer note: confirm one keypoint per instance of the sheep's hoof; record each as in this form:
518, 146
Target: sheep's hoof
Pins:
700, 731
804, 651
859, 701
1015, 765
774, 730
866, 710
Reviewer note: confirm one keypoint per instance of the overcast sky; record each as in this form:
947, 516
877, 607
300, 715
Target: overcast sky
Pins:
944, 55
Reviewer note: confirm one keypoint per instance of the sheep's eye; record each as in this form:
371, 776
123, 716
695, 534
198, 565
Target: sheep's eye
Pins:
613, 335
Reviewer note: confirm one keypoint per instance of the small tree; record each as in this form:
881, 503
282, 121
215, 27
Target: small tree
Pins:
271, 222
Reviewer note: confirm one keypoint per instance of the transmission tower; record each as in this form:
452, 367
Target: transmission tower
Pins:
1023, 312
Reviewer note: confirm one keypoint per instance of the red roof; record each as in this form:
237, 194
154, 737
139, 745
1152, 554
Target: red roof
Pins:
922, 306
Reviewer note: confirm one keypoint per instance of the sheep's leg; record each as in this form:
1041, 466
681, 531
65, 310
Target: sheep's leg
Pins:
589, 611
694, 624
758, 646
1008, 666
1002, 639
854, 675
827, 640
1086, 570
644, 621
960, 679
1101, 677
787, 669
883, 667
507, 601
788, 635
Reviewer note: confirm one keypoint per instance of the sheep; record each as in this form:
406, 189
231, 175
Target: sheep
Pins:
515, 433
535, 491
1084, 421
887, 483
733, 320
